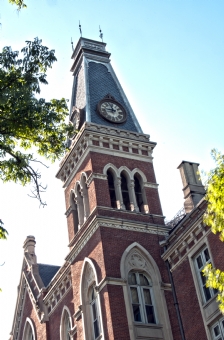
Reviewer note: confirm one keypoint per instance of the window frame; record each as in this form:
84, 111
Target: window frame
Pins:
220, 324
142, 303
94, 301
202, 286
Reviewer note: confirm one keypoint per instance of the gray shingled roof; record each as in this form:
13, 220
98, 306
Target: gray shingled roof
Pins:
47, 272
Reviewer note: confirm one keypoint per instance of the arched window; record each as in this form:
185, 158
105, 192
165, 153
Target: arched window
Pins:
110, 179
28, 333
125, 192
141, 297
85, 196
90, 301
74, 207
138, 194
65, 325
94, 312
145, 301
80, 205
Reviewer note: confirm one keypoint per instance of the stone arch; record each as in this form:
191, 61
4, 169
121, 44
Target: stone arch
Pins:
112, 167
137, 259
124, 168
89, 279
64, 315
143, 176
29, 330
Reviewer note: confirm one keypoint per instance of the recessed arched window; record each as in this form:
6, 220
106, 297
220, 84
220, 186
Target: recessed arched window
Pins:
125, 192
94, 312
110, 179
85, 196
138, 193
80, 205
74, 207
65, 325
141, 297
28, 333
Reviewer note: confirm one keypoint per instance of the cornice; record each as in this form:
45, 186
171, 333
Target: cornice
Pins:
115, 224
104, 140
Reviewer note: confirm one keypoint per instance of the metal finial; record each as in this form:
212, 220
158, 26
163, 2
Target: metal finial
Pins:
80, 28
72, 45
101, 34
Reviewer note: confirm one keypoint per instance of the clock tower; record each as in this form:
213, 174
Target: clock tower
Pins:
121, 287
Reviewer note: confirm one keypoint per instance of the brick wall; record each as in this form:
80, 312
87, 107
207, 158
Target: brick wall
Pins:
29, 312
188, 302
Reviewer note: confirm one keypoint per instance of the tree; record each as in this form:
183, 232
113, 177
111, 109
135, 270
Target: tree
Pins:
214, 218
25, 121
19, 3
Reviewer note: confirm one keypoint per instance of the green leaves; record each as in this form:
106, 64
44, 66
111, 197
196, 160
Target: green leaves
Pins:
3, 231
19, 3
215, 280
26, 121
214, 218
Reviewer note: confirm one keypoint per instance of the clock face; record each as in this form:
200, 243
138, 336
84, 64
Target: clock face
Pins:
112, 111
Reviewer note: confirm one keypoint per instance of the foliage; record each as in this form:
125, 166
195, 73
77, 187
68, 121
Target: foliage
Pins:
19, 3
215, 280
3, 231
214, 218
25, 121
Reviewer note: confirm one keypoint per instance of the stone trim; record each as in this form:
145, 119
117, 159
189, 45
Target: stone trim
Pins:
93, 175
16, 327
110, 281
181, 249
78, 314
60, 289
98, 138
166, 286
33, 299
98, 222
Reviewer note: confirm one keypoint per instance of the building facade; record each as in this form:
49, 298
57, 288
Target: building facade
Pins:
127, 275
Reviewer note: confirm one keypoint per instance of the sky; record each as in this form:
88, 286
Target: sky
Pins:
168, 56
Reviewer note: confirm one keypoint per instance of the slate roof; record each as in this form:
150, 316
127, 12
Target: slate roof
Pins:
47, 272
101, 83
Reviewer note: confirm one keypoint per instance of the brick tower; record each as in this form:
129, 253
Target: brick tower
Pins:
114, 214
114, 283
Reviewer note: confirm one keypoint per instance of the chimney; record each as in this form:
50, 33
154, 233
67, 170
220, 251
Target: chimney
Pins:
29, 249
193, 188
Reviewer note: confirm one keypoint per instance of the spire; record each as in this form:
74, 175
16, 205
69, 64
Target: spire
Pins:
94, 79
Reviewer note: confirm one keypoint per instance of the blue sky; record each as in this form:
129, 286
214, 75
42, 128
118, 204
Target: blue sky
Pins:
168, 56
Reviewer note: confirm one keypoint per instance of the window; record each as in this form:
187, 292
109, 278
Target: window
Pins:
73, 205
138, 194
200, 261
217, 330
28, 333
141, 297
94, 313
125, 193
110, 179
65, 325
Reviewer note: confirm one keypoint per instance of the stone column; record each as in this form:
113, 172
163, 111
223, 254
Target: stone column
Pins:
117, 185
132, 196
